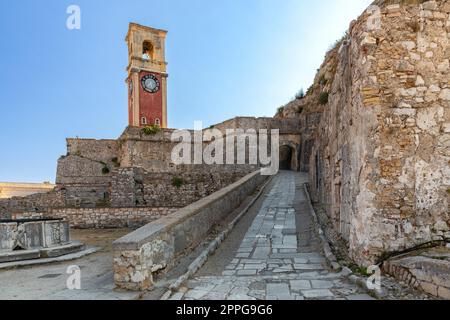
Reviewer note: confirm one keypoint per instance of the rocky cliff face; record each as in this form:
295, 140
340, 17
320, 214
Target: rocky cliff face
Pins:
380, 156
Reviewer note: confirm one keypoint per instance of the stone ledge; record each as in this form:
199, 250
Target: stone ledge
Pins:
430, 275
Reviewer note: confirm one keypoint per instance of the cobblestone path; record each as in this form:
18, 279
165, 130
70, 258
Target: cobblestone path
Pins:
279, 257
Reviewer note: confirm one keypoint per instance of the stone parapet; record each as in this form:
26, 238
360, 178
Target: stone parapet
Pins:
157, 246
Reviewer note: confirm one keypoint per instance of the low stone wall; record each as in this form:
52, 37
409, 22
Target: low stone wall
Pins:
427, 274
102, 218
158, 245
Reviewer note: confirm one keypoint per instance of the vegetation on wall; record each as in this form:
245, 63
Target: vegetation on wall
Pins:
323, 98
300, 95
177, 182
151, 130
280, 110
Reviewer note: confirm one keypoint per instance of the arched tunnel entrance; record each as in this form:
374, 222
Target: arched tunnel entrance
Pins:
286, 158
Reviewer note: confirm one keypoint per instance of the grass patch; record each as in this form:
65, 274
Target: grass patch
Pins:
151, 130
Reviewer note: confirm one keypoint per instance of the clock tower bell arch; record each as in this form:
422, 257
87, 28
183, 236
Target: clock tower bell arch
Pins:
147, 76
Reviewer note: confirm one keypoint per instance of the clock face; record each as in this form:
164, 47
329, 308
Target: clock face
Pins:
150, 83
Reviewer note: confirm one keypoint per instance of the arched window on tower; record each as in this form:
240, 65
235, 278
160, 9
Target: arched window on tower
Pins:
144, 120
147, 50
157, 122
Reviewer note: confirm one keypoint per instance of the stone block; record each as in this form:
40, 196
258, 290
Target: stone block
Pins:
247, 272
429, 288
61, 250
56, 233
317, 294
8, 234
280, 291
12, 256
321, 284
30, 235
298, 285
444, 293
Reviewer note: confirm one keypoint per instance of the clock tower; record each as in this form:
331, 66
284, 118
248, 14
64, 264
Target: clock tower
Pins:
147, 76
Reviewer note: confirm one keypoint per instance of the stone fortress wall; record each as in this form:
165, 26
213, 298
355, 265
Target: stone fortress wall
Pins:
131, 181
380, 159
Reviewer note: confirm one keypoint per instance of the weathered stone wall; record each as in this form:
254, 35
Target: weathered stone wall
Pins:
286, 126
32, 203
289, 136
126, 188
380, 161
307, 113
97, 150
149, 152
137, 169
136, 187
102, 218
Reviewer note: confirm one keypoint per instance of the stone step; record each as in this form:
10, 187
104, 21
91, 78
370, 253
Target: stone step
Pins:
62, 250
41, 253
10, 256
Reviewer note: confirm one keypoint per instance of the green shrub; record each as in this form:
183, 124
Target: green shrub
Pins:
300, 95
105, 170
323, 98
280, 110
177, 182
151, 130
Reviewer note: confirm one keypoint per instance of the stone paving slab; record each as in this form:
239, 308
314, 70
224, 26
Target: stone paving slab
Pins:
272, 262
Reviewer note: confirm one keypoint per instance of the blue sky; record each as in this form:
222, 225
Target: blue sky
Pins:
226, 58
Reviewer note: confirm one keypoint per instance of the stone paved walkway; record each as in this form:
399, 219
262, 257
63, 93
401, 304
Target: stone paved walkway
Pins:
279, 257
48, 282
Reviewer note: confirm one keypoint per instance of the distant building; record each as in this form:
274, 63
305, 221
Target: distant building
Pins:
12, 189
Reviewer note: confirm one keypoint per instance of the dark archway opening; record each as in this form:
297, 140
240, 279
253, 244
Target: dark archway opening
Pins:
286, 153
